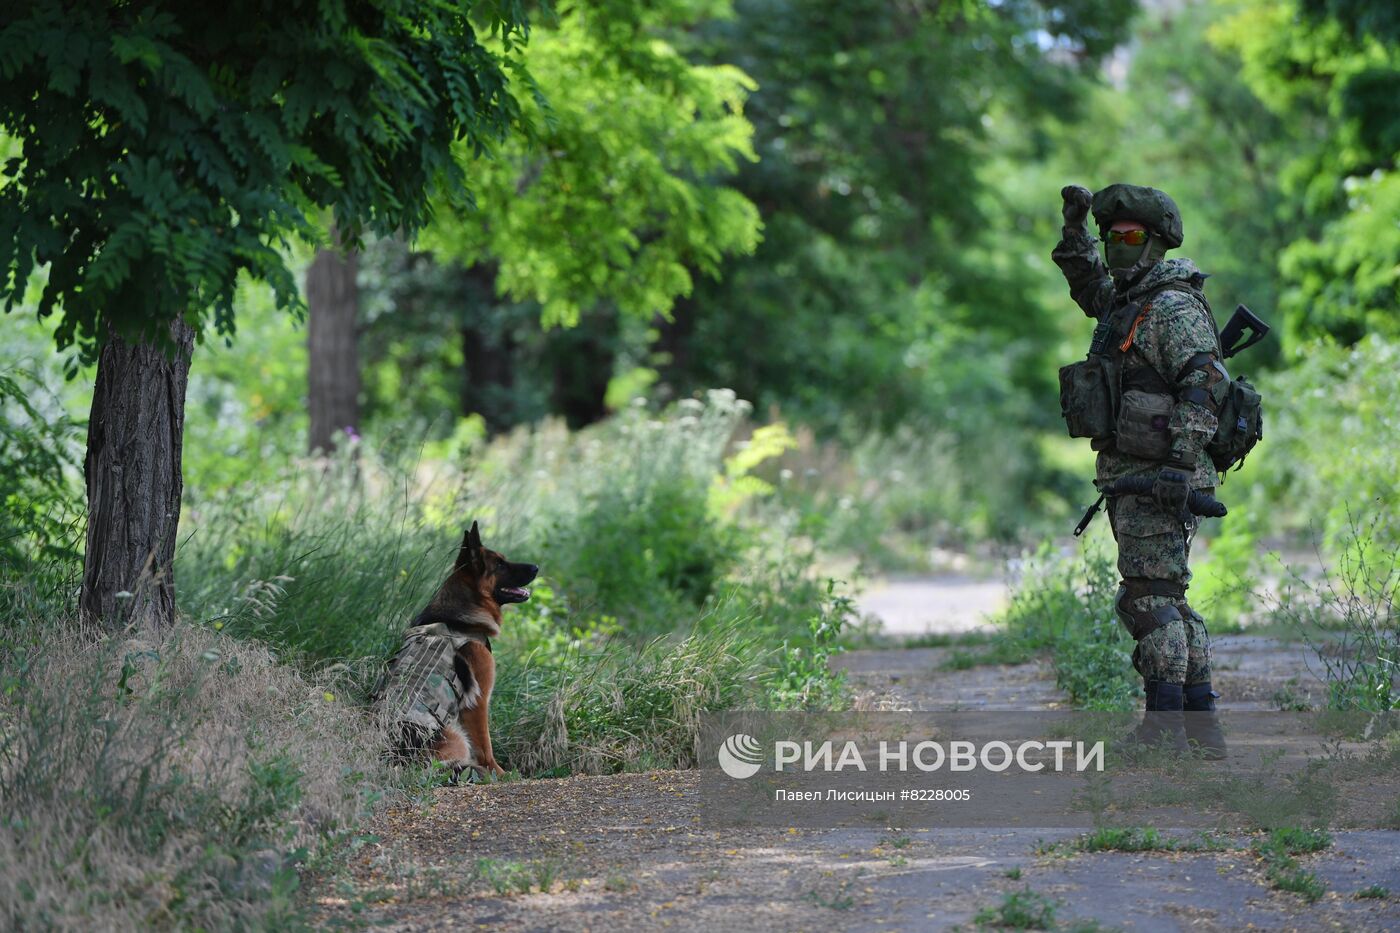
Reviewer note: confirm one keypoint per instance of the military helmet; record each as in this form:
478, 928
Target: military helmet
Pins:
1154, 209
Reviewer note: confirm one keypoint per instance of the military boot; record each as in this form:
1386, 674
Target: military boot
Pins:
1163, 721
1202, 723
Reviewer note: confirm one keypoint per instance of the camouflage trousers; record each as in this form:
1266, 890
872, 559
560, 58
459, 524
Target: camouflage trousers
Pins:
1153, 545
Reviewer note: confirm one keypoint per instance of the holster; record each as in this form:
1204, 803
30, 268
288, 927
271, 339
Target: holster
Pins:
1143, 622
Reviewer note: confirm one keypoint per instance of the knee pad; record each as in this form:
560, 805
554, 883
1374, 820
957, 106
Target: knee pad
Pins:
1143, 622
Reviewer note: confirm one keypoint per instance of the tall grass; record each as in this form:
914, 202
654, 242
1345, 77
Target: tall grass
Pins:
671, 582
158, 782
1351, 615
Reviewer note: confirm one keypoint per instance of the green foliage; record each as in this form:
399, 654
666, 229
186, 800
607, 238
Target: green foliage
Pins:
38, 461
1019, 910
1330, 69
655, 604
1225, 585
1124, 839
167, 150
616, 200
245, 405
1278, 853
886, 256
1063, 608
1294, 483
681, 553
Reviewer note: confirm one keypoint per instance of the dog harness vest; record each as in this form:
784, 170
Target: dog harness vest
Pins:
425, 686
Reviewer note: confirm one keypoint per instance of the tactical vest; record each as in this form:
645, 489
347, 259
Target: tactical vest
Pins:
425, 686
1118, 400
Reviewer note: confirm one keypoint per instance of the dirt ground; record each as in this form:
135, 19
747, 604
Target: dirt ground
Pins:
633, 852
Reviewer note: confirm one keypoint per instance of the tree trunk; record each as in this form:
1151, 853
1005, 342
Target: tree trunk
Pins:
134, 482
582, 359
674, 338
487, 351
333, 370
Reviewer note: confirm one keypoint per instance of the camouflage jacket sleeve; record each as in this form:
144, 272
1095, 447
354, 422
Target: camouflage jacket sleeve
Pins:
1090, 285
1173, 332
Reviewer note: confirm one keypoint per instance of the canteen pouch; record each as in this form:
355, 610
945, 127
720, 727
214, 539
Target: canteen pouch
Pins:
1087, 398
1143, 425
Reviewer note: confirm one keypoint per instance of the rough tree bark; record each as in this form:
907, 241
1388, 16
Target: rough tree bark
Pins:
332, 300
134, 482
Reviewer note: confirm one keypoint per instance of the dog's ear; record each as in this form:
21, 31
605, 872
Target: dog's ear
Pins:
469, 557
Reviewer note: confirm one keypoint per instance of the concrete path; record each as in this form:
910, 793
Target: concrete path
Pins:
919, 606
631, 852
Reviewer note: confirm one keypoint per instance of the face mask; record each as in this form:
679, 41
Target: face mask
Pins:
1122, 255
1126, 263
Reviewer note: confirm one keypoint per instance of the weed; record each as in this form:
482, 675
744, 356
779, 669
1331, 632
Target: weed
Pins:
1374, 891
1019, 910
1013, 873
1360, 600
840, 899
1288, 698
1133, 839
617, 884
1278, 853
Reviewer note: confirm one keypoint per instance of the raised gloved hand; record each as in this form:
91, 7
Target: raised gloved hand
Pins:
1171, 490
1076, 207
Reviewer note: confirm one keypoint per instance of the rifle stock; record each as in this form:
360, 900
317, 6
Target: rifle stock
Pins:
1242, 320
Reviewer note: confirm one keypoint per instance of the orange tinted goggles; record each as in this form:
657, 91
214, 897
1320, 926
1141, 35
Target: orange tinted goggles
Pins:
1131, 237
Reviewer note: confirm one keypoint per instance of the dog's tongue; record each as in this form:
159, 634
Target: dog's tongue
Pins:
516, 591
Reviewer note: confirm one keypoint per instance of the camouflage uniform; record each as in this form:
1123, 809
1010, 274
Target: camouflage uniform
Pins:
423, 689
1153, 546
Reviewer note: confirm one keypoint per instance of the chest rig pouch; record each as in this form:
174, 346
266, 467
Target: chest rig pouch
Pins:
1089, 388
1113, 396
1145, 412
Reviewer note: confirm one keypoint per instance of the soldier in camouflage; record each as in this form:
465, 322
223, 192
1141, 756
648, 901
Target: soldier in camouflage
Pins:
1166, 360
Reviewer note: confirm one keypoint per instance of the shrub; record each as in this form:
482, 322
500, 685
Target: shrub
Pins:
40, 527
1063, 607
1355, 609
1331, 454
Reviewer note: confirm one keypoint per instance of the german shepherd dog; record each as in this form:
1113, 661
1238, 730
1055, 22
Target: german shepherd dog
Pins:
437, 691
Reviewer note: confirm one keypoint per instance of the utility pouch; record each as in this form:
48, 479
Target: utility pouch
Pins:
1087, 403
1241, 425
1143, 420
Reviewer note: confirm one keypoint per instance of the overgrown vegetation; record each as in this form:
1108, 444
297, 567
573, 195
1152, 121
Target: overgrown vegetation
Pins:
669, 585
168, 781
1062, 608
235, 748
